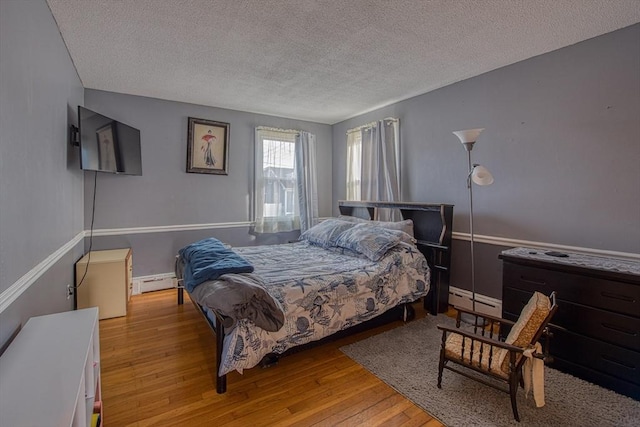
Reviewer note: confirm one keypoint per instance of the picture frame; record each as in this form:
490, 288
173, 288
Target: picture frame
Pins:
207, 146
108, 155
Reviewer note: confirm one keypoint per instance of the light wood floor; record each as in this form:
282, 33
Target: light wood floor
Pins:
158, 368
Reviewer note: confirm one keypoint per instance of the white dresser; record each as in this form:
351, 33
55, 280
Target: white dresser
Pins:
50, 373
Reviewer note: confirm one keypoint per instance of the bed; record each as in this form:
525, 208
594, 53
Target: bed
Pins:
345, 274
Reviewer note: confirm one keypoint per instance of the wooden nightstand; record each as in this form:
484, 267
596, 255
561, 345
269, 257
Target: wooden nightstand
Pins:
108, 283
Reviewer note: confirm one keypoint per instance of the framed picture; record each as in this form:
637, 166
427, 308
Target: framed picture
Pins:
207, 147
108, 156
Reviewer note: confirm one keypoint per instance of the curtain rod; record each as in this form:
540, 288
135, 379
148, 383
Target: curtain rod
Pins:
368, 125
278, 129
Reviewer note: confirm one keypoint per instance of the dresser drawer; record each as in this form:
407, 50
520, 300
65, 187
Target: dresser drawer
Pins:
597, 292
604, 325
618, 329
599, 356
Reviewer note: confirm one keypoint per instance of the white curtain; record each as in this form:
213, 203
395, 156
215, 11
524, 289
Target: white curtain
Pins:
307, 179
389, 167
354, 162
379, 164
285, 185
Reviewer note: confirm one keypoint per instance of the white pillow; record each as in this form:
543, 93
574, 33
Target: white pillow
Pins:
326, 233
369, 240
406, 225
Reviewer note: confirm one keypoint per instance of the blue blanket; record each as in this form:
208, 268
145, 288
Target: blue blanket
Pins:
208, 259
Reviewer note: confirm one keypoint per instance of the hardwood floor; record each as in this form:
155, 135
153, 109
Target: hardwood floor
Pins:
158, 369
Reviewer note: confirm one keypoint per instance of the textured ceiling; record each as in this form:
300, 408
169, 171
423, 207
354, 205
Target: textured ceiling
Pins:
317, 60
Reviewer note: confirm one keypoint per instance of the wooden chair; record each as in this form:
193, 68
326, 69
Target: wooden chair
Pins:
482, 350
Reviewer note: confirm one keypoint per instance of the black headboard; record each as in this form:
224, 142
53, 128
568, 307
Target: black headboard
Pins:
432, 228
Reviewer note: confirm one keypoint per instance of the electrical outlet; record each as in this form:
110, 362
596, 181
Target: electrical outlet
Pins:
69, 291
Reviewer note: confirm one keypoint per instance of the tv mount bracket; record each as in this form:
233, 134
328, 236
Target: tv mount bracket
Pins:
74, 136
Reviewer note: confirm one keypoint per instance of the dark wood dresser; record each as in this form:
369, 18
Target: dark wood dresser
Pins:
596, 331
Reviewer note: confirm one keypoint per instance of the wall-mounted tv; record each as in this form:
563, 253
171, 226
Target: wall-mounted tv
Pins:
107, 145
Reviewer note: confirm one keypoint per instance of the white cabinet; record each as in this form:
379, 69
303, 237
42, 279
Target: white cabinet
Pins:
50, 373
108, 281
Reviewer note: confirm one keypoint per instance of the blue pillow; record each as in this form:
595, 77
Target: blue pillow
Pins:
326, 233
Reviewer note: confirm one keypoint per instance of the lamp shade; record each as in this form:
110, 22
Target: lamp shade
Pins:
469, 135
481, 175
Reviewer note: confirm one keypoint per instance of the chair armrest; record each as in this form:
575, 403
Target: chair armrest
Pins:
486, 316
482, 339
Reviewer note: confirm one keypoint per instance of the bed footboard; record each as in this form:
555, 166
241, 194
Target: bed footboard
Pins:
221, 381
218, 329
180, 293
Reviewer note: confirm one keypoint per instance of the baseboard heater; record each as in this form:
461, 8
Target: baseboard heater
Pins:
484, 304
152, 283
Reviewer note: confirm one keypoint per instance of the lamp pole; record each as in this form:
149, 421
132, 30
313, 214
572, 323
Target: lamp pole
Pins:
481, 176
470, 187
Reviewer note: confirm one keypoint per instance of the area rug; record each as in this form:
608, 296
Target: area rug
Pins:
406, 358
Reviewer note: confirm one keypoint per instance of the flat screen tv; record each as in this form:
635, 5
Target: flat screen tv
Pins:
107, 145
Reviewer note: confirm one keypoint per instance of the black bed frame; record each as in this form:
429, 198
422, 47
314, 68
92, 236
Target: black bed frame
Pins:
432, 225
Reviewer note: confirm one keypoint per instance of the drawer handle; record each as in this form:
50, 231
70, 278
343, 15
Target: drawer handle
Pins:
618, 362
534, 281
619, 329
620, 297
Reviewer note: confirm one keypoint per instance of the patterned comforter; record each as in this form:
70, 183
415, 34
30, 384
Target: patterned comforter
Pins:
322, 291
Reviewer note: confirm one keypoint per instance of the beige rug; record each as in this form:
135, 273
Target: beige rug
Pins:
406, 358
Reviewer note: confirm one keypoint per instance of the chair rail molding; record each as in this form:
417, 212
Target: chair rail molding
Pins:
167, 228
9, 295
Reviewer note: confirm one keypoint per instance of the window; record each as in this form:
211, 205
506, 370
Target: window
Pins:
276, 207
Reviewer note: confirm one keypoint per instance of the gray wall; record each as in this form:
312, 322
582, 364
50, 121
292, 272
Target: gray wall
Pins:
561, 140
41, 186
166, 195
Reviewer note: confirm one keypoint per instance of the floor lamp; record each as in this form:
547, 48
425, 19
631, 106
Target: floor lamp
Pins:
481, 176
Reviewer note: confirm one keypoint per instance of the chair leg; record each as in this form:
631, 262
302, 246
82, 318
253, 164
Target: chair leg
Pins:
440, 368
443, 344
513, 392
